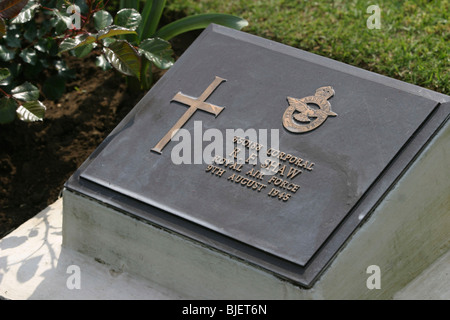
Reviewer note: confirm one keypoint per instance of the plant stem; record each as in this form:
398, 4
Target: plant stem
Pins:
88, 17
6, 94
146, 75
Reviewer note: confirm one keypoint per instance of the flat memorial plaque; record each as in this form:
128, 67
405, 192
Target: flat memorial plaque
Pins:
340, 137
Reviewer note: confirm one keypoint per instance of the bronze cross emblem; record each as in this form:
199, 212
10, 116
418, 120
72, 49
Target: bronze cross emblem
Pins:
194, 105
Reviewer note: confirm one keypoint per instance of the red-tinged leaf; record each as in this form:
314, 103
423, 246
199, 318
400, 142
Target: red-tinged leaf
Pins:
27, 13
112, 31
124, 57
11, 8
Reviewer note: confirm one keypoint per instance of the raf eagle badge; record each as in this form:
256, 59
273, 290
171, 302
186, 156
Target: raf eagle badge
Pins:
308, 118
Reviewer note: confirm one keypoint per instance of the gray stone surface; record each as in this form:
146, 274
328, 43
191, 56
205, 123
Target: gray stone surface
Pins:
381, 125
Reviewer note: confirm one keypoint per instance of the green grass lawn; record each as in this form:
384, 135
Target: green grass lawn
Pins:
412, 44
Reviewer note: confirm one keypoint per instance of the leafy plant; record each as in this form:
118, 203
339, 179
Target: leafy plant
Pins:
23, 101
131, 42
37, 33
29, 53
19, 100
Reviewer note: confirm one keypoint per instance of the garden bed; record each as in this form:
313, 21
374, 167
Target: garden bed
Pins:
37, 158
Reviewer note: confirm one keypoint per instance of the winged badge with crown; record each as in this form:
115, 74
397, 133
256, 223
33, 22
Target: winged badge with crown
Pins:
299, 117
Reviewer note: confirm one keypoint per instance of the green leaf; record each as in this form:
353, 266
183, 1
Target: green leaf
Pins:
41, 45
64, 71
107, 41
68, 74
102, 63
6, 54
29, 56
10, 8
13, 37
44, 62
30, 32
31, 111
102, 19
7, 110
112, 31
45, 27
83, 51
78, 41
52, 47
68, 44
2, 27
27, 13
14, 70
60, 27
63, 21
32, 71
128, 18
62, 16
200, 21
61, 65
54, 87
158, 51
84, 7
47, 45
4, 73
123, 57
25, 92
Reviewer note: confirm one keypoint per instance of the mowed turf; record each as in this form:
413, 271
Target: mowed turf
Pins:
412, 44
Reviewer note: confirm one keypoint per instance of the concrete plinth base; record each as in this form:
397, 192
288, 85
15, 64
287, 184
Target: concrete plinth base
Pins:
33, 265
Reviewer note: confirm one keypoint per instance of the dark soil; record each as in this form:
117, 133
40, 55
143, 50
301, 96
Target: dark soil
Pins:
37, 158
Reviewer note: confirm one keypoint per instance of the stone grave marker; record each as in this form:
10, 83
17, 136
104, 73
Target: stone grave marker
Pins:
251, 150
